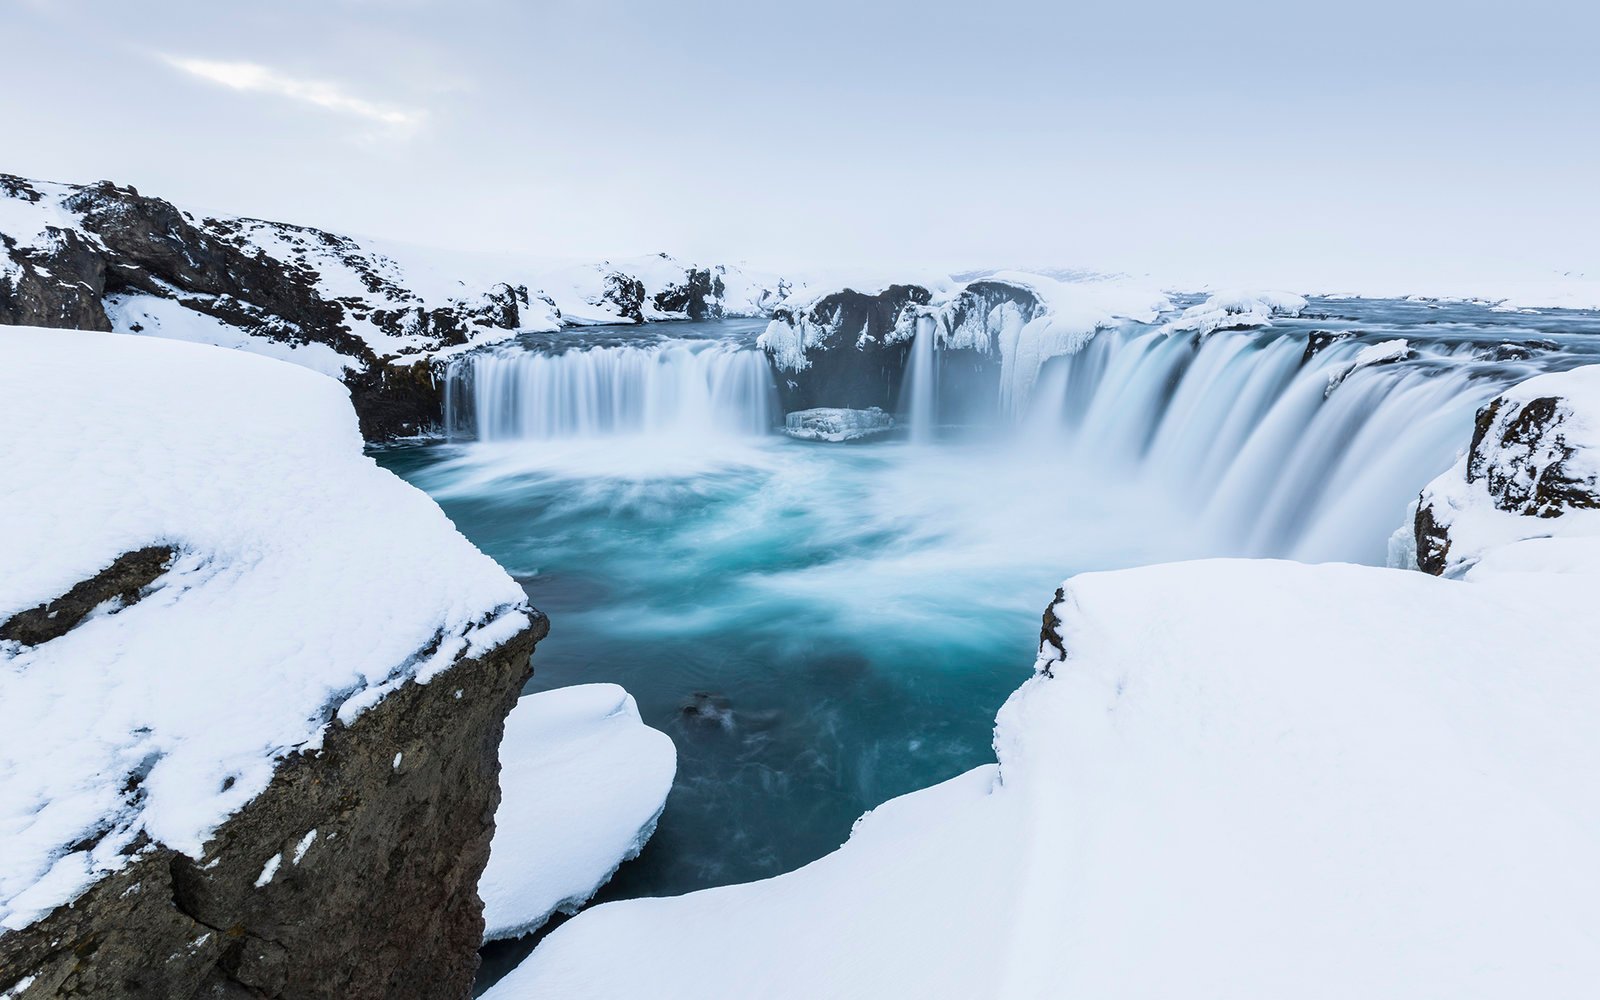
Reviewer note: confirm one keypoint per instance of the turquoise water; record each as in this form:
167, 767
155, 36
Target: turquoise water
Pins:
819, 628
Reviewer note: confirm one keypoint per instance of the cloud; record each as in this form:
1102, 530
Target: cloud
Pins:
254, 78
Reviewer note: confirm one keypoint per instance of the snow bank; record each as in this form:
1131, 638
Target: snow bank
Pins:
306, 581
1236, 310
582, 781
1242, 779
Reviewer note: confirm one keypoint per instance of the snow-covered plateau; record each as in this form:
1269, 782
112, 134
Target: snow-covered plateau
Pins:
1229, 778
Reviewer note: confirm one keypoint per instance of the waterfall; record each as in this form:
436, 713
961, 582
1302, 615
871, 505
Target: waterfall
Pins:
922, 383
1275, 450
1277, 454
676, 388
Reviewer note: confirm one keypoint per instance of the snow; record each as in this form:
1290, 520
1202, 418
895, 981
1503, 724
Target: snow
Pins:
1373, 354
303, 846
152, 316
1488, 541
583, 781
306, 580
1236, 310
269, 870
1245, 779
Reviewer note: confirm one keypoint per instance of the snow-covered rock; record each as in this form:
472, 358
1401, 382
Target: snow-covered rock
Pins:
837, 425
1526, 495
219, 624
583, 782
1226, 779
1237, 310
1385, 353
380, 317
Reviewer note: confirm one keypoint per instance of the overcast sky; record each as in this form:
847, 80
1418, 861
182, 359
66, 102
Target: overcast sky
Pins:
1216, 140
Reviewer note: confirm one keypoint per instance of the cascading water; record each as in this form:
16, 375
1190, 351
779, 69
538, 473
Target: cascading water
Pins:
921, 383
1281, 455
673, 388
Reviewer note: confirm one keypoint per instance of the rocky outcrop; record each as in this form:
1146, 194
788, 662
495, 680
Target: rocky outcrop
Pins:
699, 297
852, 349
354, 875
1533, 463
96, 257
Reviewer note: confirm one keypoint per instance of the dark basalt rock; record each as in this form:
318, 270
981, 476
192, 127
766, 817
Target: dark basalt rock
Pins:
853, 367
861, 360
1523, 455
123, 581
698, 298
1433, 541
626, 295
381, 903
1321, 340
1050, 648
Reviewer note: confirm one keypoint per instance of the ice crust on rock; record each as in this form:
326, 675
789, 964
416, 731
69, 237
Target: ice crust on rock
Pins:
837, 424
306, 584
583, 781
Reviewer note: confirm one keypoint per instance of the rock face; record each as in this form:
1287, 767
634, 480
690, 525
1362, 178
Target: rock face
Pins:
354, 875
852, 350
847, 349
1534, 463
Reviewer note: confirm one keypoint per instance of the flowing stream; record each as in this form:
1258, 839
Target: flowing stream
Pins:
822, 627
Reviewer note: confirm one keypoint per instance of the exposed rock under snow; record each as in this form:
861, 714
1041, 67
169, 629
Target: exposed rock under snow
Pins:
836, 424
283, 584
582, 781
1526, 495
1227, 778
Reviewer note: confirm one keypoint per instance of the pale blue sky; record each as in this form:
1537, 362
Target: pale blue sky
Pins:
1219, 141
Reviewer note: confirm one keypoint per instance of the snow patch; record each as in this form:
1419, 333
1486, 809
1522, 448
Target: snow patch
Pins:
583, 780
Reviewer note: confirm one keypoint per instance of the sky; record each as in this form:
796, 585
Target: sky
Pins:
1232, 141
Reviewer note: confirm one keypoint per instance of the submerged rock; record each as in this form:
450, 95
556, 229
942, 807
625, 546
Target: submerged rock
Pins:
837, 424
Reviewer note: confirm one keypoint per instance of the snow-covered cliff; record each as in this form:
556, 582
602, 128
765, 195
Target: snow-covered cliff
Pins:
102, 257
254, 686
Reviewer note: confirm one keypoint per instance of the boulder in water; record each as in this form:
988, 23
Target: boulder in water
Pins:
837, 424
